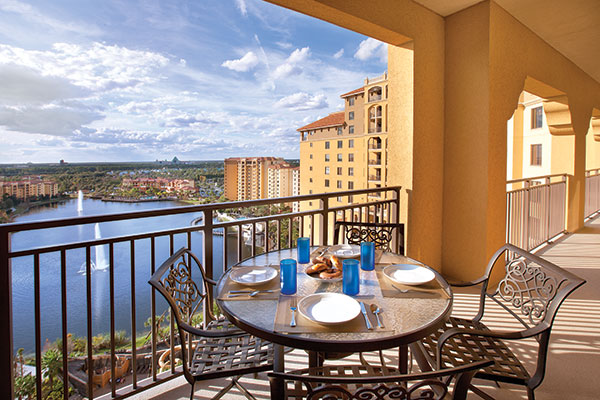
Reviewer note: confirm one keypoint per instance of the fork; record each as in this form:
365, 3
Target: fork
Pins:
402, 290
293, 308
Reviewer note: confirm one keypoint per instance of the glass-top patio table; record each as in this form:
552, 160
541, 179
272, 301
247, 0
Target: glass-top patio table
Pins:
407, 318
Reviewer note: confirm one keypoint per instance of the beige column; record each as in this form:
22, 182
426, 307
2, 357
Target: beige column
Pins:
517, 151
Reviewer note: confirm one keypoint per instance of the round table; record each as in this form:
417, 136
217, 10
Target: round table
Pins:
406, 319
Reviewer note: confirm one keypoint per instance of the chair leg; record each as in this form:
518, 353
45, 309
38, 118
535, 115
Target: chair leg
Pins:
530, 394
223, 391
192, 391
480, 393
242, 389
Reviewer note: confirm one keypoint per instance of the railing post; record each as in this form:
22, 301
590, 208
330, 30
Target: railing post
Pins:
6, 336
526, 184
207, 243
325, 220
549, 209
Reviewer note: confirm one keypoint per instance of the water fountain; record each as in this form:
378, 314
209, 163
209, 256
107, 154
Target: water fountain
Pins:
80, 202
100, 263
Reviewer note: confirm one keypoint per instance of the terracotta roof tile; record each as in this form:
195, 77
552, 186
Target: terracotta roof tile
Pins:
333, 119
355, 91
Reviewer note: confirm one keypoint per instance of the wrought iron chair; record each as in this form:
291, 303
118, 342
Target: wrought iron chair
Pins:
221, 349
530, 292
380, 234
353, 382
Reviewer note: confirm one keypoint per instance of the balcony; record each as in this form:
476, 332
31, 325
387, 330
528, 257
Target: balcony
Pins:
374, 178
375, 162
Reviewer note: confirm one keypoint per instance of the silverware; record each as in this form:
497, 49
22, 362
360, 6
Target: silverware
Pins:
376, 310
251, 291
293, 308
403, 290
250, 294
363, 309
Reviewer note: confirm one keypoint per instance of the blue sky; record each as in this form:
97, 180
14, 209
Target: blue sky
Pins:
145, 80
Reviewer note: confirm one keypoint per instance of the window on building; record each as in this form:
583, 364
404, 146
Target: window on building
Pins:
350, 101
310, 180
326, 182
339, 199
350, 199
340, 157
326, 170
310, 144
339, 170
310, 191
536, 154
350, 128
340, 144
310, 168
339, 184
537, 117
351, 157
340, 130
351, 115
326, 157
350, 171
311, 156
351, 143
350, 185
326, 145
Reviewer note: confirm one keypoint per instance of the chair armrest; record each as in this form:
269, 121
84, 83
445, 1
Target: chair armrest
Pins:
212, 333
210, 281
522, 334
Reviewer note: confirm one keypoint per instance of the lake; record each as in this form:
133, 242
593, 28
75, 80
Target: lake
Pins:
50, 292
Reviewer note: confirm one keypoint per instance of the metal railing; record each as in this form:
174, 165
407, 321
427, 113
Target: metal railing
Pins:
242, 238
536, 210
592, 192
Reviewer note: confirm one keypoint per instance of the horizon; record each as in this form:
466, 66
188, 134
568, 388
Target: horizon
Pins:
99, 82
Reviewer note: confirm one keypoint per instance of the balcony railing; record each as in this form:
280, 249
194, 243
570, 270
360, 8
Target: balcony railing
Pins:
536, 210
374, 162
143, 253
592, 192
375, 146
376, 178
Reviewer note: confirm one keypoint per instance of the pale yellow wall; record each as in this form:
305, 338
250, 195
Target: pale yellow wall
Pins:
359, 117
469, 71
592, 159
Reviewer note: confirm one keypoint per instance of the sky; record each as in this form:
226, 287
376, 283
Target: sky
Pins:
86, 81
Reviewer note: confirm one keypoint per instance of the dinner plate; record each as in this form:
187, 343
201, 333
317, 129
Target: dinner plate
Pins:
252, 276
408, 274
345, 250
329, 308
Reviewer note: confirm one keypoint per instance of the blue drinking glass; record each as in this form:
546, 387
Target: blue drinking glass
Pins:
303, 250
351, 277
367, 256
287, 273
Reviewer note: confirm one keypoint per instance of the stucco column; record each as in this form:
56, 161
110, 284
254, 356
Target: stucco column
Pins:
517, 150
576, 186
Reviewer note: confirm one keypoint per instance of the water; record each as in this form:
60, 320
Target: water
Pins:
50, 274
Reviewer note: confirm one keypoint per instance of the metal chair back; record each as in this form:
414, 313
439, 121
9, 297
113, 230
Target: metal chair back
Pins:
386, 236
354, 382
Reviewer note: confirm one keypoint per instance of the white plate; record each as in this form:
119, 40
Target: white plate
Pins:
408, 274
345, 250
252, 276
329, 308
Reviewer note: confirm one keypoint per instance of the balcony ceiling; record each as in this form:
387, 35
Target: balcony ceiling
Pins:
571, 27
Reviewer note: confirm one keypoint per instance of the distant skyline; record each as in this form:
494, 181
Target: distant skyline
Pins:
89, 81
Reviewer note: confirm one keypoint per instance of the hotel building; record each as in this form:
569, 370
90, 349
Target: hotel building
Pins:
27, 188
252, 178
348, 149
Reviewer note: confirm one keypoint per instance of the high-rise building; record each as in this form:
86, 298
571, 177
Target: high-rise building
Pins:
347, 150
28, 188
246, 178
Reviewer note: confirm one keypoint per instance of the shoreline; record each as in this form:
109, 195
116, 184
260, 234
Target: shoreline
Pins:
24, 208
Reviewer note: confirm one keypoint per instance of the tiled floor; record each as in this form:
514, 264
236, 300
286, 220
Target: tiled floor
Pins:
573, 361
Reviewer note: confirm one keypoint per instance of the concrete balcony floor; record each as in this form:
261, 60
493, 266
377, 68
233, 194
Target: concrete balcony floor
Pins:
573, 360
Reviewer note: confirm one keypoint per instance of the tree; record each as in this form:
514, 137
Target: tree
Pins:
51, 362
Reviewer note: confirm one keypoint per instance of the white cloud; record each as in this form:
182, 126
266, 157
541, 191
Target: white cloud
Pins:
339, 54
284, 45
290, 66
370, 48
302, 101
241, 5
247, 62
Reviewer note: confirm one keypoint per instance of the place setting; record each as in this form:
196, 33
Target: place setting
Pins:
409, 281
251, 283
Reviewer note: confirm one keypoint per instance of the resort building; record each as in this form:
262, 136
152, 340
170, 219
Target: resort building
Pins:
346, 150
166, 185
28, 188
246, 178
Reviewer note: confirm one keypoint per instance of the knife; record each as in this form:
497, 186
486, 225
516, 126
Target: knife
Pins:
363, 309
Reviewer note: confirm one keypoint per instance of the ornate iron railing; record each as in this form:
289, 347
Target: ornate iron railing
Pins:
592, 192
536, 210
244, 235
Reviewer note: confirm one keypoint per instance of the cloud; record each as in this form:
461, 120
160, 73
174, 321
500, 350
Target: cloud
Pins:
247, 62
370, 48
339, 54
302, 101
290, 66
97, 67
284, 45
241, 5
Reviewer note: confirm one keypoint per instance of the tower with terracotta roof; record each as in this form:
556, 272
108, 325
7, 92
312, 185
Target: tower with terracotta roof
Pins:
347, 150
